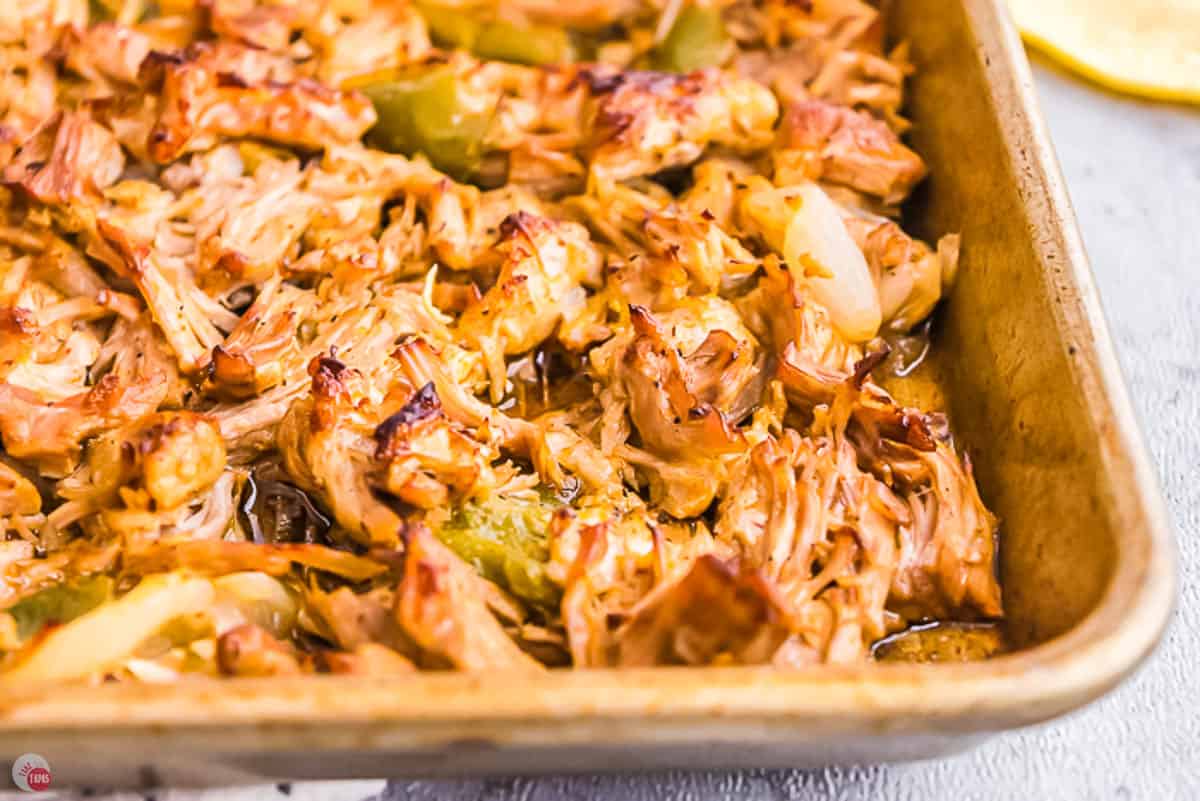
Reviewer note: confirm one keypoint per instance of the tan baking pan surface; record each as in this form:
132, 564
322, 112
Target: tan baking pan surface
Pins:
1024, 362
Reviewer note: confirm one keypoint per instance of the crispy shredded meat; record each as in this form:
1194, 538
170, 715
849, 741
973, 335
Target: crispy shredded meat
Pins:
374, 337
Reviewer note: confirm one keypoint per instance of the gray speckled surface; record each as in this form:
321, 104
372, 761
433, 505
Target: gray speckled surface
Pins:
1134, 173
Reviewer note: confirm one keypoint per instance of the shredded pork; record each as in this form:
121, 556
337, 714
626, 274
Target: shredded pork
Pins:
372, 337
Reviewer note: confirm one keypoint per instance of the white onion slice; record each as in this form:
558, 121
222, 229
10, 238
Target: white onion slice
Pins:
110, 633
255, 598
818, 246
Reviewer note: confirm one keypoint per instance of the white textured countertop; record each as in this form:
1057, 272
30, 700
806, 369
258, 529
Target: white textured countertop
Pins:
1133, 169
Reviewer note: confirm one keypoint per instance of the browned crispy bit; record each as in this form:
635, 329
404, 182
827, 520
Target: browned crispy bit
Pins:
539, 283
945, 562
350, 620
250, 650
644, 122
69, 158
879, 417
51, 434
822, 141
171, 455
945, 567
19, 329
420, 364
669, 417
442, 605
107, 52
811, 358
327, 448
223, 90
425, 456
716, 613
264, 26
263, 348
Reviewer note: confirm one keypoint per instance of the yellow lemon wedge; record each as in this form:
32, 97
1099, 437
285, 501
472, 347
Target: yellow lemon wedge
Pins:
1143, 47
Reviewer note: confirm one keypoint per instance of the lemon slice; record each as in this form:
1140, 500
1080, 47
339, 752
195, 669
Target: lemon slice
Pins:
1144, 47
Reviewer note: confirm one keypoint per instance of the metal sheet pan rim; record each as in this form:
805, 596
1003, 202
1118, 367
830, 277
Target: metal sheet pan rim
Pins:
693, 705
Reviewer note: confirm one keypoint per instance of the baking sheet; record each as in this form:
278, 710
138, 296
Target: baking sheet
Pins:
1026, 366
